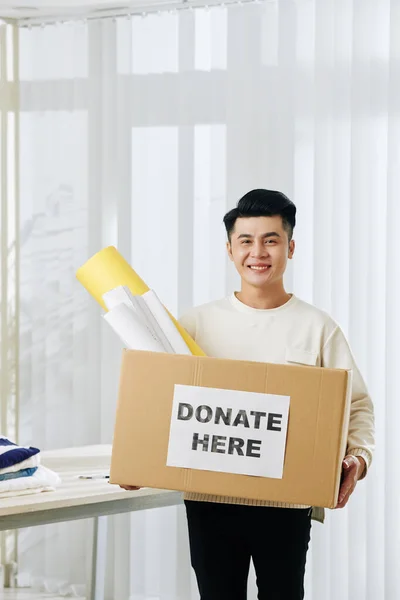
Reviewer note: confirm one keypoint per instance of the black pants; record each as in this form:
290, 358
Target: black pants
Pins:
223, 538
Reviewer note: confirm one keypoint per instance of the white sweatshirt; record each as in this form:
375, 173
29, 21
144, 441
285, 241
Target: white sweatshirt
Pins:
296, 332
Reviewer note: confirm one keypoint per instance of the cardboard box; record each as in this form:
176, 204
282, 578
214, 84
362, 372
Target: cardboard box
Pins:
153, 395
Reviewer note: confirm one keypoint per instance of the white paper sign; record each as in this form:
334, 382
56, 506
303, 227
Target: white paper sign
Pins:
228, 431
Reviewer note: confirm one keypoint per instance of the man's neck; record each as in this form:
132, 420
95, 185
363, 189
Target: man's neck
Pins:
263, 298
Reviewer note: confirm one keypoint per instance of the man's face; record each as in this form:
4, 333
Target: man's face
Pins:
260, 249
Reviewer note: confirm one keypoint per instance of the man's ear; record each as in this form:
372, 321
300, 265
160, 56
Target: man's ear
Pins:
292, 247
229, 250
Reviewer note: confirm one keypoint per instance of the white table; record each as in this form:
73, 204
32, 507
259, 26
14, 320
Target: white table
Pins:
79, 498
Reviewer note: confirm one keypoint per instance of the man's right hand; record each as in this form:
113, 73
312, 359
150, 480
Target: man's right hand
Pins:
129, 488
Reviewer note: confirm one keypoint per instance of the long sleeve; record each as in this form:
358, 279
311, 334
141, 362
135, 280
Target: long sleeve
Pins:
336, 354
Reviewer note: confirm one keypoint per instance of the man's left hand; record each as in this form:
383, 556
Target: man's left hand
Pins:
353, 468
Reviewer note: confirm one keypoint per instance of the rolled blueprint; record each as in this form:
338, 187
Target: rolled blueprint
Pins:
131, 330
163, 324
123, 295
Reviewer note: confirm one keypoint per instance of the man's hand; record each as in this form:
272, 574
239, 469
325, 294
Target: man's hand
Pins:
353, 468
129, 488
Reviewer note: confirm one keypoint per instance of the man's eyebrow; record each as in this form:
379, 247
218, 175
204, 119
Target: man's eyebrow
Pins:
265, 235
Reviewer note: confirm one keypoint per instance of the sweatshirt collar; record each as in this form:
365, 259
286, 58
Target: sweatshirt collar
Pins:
238, 305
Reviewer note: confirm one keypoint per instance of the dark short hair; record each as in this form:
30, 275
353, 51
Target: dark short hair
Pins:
263, 203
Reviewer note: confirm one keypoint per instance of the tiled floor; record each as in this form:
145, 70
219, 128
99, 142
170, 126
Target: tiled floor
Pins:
22, 594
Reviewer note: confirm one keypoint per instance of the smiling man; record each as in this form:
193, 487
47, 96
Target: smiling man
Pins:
263, 322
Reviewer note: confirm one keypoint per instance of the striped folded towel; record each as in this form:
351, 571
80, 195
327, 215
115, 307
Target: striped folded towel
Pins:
11, 454
30, 463
21, 472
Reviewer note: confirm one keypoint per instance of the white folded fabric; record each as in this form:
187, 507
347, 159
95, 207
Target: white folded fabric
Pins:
44, 480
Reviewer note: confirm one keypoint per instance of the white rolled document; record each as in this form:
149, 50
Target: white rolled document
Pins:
163, 324
149, 311
119, 295
131, 329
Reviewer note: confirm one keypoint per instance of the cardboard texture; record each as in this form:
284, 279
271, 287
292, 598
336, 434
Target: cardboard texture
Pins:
316, 436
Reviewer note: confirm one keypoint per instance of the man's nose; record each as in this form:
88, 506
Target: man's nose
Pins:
259, 249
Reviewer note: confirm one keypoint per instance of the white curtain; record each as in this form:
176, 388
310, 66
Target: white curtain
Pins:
9, 253
141, 132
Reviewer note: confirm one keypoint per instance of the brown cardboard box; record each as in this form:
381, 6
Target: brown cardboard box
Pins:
316, 433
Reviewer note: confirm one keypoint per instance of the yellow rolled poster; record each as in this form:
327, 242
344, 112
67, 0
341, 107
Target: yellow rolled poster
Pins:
107, 270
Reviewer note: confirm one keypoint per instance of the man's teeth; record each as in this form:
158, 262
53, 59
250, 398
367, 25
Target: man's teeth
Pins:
259, 268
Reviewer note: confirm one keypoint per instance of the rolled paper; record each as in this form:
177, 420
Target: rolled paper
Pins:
131, 330
107, 270
123, 295
164, 323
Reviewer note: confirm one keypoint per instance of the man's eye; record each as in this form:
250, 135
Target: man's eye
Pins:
246, 242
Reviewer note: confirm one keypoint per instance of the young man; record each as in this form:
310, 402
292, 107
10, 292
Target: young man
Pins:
262, 322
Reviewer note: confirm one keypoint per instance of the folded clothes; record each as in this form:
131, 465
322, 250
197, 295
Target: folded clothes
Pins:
28, 492
11, 454
43, 480
18, 474
29, 463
